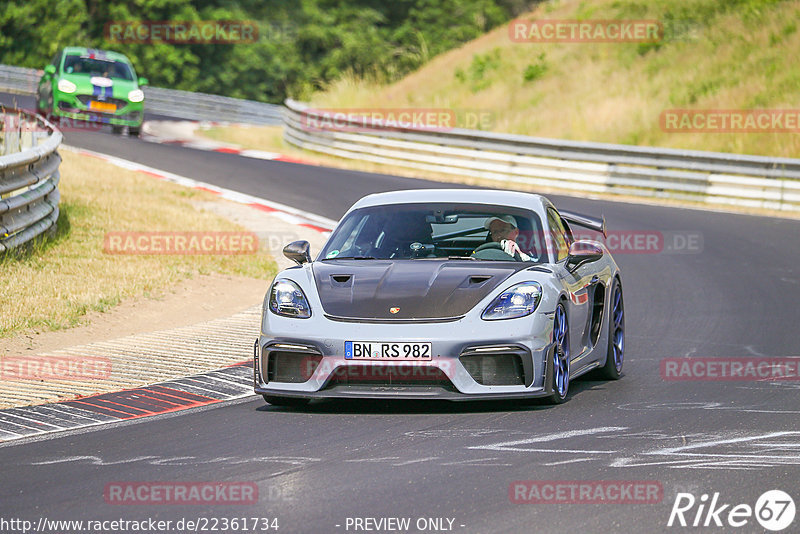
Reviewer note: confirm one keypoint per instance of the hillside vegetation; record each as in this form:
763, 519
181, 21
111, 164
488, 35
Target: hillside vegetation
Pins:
299, 45
732, 54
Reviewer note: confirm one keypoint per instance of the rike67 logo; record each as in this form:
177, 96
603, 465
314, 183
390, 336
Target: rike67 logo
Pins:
774, 511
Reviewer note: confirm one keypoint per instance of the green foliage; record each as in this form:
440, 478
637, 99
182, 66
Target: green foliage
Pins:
303, 45
535, 70
478, 74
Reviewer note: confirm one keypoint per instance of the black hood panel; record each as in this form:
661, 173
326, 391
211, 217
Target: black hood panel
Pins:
421, 289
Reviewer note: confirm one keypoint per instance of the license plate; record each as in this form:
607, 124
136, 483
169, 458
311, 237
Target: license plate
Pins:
102, 106
376, 350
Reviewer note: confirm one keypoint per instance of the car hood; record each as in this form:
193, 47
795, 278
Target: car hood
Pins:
412, 289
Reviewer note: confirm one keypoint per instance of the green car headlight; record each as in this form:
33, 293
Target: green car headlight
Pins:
66, 86
137, 95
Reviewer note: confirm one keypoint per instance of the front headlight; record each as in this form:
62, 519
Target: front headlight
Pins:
516, 301
287, 299
137, 95
66, 86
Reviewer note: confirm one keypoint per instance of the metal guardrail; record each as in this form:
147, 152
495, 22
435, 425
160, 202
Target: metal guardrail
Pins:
711, 177
29, 177
205, 107
19, 79
167, 102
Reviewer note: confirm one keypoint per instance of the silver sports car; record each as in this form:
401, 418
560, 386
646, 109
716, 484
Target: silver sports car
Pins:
443, 294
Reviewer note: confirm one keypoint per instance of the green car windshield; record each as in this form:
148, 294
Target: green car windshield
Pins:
75, 64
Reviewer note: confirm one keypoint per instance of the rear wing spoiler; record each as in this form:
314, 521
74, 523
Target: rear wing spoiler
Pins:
592, 223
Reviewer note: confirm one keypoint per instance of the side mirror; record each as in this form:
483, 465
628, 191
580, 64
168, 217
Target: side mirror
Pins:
143, 81
298, 251
581, 252
50, 69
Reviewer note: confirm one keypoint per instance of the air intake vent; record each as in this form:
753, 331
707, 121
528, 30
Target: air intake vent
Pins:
390, 375
495, 369
293, 367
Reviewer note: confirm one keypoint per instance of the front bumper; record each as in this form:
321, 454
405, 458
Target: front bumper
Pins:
470, 360
70, 106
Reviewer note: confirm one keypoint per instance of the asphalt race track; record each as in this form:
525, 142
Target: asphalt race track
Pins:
736, 295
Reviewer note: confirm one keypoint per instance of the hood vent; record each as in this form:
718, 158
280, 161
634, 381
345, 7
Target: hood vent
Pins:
342, 280
477, 279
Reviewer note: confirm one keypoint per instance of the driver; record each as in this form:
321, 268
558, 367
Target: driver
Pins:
503, 229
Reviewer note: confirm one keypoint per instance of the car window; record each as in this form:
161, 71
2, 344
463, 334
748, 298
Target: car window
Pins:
92, 66
558, 233
434, 230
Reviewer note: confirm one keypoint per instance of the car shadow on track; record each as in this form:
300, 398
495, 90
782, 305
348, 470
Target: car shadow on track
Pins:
433, 406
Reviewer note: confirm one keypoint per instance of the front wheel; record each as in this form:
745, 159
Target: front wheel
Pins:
560, 359
616, 334
134, 132
292, 402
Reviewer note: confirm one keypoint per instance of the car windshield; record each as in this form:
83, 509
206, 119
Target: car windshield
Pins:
92, 66
442, 230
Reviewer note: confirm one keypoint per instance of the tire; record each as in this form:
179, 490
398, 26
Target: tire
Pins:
134, 132
615, 354
292, 402
116, 129
559, 381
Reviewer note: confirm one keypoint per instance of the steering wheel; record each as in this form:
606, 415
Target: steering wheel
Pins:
492, 251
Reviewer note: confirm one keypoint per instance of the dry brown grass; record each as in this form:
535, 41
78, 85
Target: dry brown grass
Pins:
610, 92
62, 278
607, 92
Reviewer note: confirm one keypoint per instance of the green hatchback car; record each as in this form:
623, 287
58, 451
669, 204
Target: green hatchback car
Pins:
92, 85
